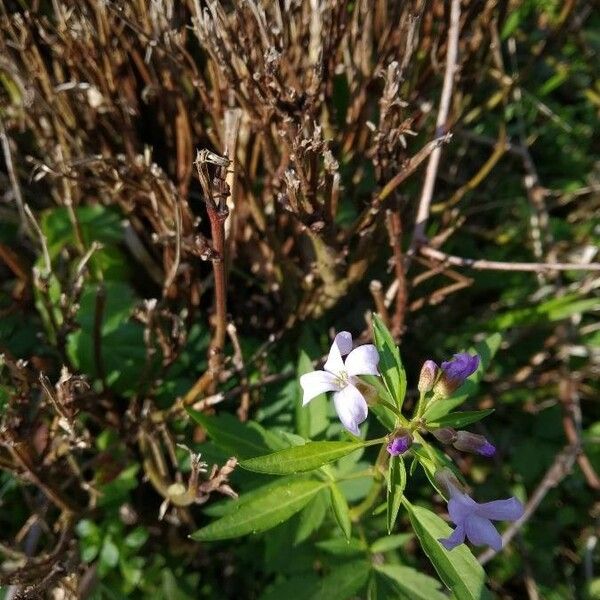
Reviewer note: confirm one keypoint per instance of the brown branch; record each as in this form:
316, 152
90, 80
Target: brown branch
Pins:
394, 225
217, 210
375, 288
434, 159
569, 398
494, 265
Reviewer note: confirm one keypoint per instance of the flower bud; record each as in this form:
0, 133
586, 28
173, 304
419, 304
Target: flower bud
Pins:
446, 435
455, 371
472, 442
429, 373
400, 444
448, 481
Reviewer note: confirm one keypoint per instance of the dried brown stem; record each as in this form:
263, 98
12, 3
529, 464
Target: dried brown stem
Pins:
494, 265
434, 160
394, 225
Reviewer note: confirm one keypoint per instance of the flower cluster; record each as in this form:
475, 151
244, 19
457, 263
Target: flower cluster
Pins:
351, 397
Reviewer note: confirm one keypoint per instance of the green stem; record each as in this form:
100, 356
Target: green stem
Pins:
358, 511
420, 407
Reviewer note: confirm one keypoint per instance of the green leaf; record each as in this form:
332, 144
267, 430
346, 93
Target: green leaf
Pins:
340, 510
343, 582
342, 547
390, 364
109, 555
458, 568
96, 222
263, 512
461, 419
137, 538
230, 435
311, 455
122, 345
554, 309
412, 584
301, 587
390, 542
312, 516
311, 420
395, 490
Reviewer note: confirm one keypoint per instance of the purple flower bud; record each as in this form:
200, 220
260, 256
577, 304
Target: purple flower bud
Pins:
429, 373
399, 445
472, 442
446, 435
455, 371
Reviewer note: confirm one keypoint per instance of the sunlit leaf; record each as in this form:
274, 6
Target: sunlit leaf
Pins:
390, 364
264, 511
311, 455
457, 568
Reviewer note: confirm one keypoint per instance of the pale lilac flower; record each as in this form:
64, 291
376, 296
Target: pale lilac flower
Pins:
455, 371
340, 377
400, 444
474, 520
429, 373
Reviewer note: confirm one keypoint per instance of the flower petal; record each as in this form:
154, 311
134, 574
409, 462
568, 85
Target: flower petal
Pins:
501, 510
351, 408
342, 345
481, 532
363, 361
456, 538
315, 383
461, 507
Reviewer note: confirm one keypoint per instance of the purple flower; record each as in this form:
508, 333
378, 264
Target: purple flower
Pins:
455, 371
473, 442
340, 377
400, 444
474, 520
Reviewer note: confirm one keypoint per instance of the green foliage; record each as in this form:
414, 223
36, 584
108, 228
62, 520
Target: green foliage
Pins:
307, 457
261, 512
101, 145
390, 364
457, 568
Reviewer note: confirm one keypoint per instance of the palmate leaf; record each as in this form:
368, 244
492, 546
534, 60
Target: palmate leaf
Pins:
390, 364
277, 504
458, 568
311, 455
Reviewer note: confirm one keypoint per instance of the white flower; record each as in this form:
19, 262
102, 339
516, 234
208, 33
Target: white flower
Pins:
340, 377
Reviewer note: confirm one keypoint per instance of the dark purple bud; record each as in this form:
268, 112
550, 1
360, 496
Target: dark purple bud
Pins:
446, 435
429, 373
399, 445
472, 442
455, 371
